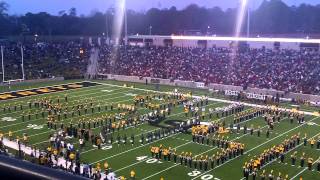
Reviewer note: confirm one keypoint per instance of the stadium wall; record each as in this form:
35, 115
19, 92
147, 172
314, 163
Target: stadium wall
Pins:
308, 97
271, 92
183, 43
213, 86
222, 87
162, 41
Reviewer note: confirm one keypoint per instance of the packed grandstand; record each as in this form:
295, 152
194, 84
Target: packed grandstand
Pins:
286, 70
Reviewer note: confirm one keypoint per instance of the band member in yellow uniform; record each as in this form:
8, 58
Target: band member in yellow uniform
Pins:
72, 156
310, 162
312, 142
25, 139
10, 135
132, 175
106, 168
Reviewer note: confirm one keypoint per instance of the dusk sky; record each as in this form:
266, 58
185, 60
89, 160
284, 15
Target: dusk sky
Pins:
86, 6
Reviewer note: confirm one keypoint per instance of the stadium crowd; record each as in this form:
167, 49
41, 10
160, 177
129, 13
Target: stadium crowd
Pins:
44, 60
286, 70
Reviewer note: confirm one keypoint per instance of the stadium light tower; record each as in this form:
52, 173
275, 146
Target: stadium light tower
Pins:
248, 21
119, 22
22, 64
125, 22
150, 30
2, 64
107, 25
240, 17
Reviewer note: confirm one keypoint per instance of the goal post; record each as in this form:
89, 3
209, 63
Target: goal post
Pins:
10, 81
2, 64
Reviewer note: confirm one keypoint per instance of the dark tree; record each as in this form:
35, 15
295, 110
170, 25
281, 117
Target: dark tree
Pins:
272, 17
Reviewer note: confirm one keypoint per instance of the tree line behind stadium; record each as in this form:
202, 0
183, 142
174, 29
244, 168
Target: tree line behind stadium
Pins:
271, 17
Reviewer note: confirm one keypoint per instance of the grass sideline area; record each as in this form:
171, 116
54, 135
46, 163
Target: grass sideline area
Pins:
124, 158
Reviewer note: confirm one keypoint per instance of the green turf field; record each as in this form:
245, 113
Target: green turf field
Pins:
124, 158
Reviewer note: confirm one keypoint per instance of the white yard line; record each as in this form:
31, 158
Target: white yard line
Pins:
161, 171
40, 142
39, 134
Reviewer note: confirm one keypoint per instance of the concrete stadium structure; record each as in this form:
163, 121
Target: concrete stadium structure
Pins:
215, 41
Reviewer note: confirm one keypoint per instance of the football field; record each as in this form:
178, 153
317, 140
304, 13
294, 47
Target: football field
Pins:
123, 157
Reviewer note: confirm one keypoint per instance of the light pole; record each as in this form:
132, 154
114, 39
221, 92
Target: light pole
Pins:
107, 24
248, 21
150, 30
35, 37
126, 22
2, 64
22, 63
208, 30
242, 11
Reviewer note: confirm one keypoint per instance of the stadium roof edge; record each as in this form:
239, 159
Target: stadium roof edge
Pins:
223, 38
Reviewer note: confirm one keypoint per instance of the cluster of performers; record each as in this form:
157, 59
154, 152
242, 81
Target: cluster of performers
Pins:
230, 109
197, 108
248, 114
201, 135
274, 115
198, 113
125, 116
160, 105
200, 162
54, 121
271, 115
278, 152
111, 119
145, 138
